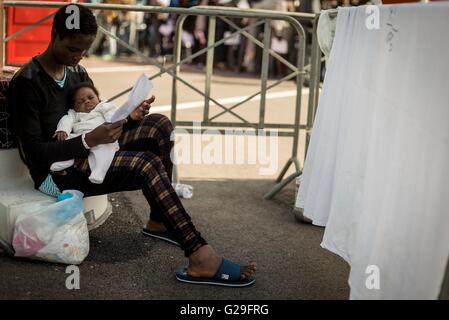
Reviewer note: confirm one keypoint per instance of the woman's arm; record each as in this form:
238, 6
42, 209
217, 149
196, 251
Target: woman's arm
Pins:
39, 151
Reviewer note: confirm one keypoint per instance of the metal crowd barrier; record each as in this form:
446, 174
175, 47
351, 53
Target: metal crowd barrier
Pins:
225, 14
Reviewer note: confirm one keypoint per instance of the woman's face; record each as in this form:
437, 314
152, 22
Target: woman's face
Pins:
85, 100
71, 49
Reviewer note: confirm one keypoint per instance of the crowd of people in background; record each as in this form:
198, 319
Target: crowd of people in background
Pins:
153, 34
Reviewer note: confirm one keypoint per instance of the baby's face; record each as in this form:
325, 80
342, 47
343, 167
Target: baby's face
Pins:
85, 100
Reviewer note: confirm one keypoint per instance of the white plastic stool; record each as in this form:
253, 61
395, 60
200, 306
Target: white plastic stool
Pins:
17, 195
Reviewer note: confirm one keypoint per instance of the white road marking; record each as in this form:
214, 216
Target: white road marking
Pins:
228, 101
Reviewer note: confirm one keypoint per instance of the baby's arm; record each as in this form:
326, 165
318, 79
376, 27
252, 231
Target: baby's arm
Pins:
65, 126
60, 135
108, 109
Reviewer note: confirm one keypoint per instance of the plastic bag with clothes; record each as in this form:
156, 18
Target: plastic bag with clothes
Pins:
55, 233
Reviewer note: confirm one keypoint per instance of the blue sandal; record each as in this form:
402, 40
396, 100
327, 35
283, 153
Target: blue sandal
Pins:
228, 275
166, 236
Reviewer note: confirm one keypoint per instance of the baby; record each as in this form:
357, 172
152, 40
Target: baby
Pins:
87, 114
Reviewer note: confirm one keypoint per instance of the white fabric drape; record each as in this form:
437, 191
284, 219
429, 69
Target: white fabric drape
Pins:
376, 173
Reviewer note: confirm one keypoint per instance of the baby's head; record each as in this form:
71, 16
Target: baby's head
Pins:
84, 97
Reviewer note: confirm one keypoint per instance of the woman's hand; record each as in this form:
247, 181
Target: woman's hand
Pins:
60, 135
105, 133
142, 110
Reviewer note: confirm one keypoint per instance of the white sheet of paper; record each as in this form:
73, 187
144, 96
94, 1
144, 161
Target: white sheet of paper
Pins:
138, 94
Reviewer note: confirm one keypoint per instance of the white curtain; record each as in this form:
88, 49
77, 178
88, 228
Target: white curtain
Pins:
376, 174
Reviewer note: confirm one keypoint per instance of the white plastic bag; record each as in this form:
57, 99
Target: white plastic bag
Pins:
183, 190
57, 233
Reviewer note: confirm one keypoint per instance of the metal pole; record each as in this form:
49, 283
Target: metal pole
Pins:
281, 185
199, 10
300, 64
264, 71
284, 170
318, 71
174, 98
176, 57
2, 36
299, 79
209, 65
313, 84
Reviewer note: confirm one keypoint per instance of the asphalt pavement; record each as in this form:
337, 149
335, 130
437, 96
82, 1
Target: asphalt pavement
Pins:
231, 215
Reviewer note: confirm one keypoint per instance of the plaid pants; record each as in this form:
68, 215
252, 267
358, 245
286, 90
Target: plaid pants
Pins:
142, 163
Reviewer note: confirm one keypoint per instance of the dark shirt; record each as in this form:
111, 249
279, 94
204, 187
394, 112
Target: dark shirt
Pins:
36, 104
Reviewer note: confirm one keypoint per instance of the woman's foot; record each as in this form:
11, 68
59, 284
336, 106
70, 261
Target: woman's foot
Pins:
204, 263
159, 231
156, 226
